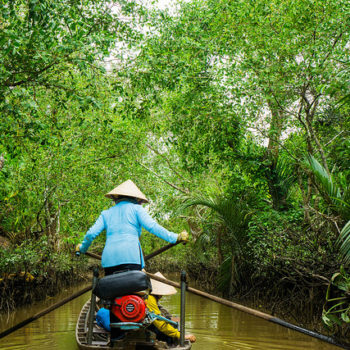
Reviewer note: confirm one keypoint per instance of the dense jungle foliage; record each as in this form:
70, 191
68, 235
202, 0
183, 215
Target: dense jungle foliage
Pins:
231, 116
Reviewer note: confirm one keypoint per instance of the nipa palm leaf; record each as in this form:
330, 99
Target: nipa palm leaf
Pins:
344, 242
324, 179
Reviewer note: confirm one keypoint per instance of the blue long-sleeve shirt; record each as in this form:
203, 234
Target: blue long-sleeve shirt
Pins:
123, 224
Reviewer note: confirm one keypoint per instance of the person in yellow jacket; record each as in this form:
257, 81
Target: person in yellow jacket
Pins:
164, 330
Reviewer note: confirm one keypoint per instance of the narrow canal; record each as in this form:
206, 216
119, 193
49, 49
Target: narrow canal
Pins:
216, 327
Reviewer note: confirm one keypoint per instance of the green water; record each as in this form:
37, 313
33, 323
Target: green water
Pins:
216, 327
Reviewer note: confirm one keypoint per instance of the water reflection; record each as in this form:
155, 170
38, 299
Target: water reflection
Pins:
220, 327
53, 331
216, 327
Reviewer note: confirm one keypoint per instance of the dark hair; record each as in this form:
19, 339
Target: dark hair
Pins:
125, 198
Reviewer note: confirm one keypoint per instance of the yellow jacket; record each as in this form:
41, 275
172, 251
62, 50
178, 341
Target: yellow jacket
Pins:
163, 326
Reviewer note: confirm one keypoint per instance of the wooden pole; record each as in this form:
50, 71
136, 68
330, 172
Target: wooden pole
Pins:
92, 308
92, 255
182, 314
212, 297
161, 250
147, 257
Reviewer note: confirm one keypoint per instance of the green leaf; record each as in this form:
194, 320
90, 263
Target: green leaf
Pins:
345, 316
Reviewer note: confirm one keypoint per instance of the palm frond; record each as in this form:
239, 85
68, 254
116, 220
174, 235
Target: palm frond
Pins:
198, 200
204, 239
324, 179
343, 101
231, 213
342, 202
338, 198
231, 217
229, 276
285, 175
344, 242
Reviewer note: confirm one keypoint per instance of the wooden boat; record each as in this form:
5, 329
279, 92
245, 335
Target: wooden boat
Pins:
141, 339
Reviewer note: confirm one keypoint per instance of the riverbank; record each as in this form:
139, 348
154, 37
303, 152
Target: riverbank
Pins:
299, 304
32, 272
20, 290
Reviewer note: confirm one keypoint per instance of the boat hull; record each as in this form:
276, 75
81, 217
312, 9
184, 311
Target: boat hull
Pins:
134, 340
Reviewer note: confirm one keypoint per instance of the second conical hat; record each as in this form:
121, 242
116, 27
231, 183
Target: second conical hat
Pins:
159, 288
129, 189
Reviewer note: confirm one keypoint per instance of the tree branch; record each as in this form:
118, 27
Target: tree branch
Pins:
8, 82
2, 162
332, 48
329, 142
278, 142
167, 160
332, 219
185, 191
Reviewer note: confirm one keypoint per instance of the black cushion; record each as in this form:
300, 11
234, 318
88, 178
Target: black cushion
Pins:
122, 283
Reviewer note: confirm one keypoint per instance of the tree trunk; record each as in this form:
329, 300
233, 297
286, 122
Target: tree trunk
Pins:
275, 133
2, 162
219, 245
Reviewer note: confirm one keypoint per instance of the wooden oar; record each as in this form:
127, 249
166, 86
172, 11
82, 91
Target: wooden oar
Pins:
161, 250
147, 257
75, 295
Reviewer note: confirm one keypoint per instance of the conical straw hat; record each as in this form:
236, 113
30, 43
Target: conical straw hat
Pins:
159, 288
129, 189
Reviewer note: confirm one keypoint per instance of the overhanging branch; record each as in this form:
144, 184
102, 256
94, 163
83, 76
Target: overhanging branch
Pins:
185, 191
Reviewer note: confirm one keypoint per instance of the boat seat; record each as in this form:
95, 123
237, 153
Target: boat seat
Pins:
96, 329
98, 342
99, 330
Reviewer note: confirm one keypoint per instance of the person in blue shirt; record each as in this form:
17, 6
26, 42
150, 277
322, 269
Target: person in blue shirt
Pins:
123, 224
